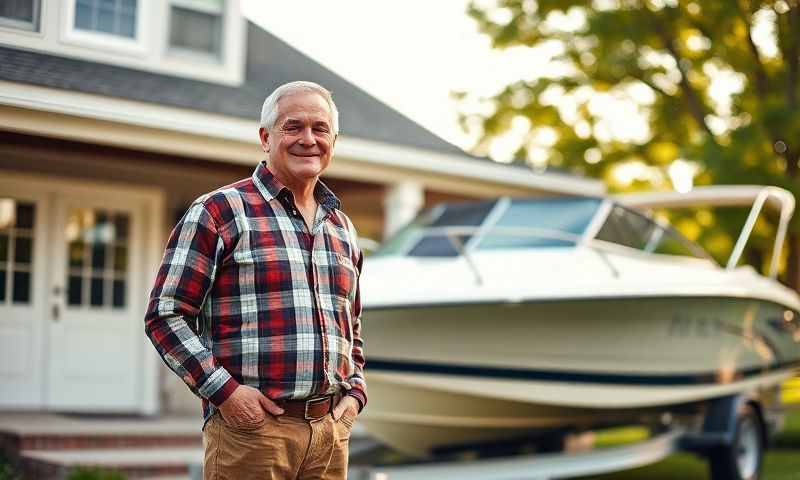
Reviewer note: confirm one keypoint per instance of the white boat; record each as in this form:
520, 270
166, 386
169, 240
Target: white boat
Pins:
497, 321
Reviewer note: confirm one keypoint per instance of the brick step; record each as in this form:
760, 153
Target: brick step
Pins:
134, 463
60, 432
16, 442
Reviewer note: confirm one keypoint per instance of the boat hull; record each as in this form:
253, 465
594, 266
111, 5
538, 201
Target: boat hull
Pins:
442, 376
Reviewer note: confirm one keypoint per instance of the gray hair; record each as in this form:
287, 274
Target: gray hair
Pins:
269, 112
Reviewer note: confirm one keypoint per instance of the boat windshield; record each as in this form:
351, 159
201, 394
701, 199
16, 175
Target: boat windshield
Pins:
627, 227
503, 224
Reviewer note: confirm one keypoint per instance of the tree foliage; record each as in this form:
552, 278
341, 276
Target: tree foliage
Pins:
715, 83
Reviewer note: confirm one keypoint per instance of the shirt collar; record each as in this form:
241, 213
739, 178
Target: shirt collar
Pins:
270, 187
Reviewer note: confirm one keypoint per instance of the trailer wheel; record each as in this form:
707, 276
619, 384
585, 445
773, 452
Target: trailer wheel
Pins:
743, 458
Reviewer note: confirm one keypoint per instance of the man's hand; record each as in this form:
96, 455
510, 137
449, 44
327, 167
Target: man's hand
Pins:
346, 403
246, 406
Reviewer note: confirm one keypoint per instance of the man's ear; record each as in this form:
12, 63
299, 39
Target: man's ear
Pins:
333, 144
263, 136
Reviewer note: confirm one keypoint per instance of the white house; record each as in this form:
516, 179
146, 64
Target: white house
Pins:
114, 116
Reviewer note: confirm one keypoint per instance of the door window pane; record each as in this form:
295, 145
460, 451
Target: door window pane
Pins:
21, 288
120, 227
76, 254
20, 14
74, 290
3, 247
119, 294
25, 215
23, 250
98, 257
114, 17
120, 259
17, 219
96, 292
197, 26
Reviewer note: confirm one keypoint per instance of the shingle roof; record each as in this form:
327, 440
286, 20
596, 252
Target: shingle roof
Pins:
270, 63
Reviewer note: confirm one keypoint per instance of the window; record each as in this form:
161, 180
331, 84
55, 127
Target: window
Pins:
196, 27
17, 220
426, 237
541, 222
23, 14
114, 17
628, 228
670, 242
634, 230
97, 260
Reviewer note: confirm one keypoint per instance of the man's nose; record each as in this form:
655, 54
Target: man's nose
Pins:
307, 138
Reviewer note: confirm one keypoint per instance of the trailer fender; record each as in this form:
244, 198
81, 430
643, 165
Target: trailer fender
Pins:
719, 424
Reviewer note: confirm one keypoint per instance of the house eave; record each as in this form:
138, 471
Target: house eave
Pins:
125, 123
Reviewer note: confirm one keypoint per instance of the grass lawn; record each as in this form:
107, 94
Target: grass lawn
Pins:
782, 461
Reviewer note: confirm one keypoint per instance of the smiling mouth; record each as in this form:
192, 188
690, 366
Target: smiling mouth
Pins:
306, 155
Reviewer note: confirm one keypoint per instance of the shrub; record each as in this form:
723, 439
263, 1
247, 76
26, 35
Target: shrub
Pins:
95, 473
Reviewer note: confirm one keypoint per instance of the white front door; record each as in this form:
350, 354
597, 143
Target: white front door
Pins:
23, 241
95, 334
74, 260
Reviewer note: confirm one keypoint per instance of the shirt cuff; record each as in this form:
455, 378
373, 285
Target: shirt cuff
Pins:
360, 397
223, 392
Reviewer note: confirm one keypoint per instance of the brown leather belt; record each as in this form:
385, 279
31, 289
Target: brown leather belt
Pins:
310, 409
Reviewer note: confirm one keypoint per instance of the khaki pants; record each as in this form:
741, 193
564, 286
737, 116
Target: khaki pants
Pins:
279, 448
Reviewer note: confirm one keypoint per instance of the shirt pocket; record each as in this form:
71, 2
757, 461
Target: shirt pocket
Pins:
344, 277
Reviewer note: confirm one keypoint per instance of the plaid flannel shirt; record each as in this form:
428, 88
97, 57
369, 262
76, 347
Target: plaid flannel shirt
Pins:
246, 295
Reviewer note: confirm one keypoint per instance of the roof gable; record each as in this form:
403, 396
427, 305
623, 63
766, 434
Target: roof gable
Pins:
270, 63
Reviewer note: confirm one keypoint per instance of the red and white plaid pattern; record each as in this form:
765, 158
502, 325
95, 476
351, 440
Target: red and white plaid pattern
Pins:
246, 295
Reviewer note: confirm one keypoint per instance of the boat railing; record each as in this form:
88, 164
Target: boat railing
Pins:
756, 196
786, 202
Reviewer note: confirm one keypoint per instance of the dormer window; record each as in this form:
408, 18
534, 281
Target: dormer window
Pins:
113, 17
22, 14
196, 27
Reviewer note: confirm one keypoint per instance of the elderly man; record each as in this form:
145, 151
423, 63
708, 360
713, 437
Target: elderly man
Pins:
256, 305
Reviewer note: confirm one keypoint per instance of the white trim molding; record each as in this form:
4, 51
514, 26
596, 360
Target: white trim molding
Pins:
148, 51
137, 46
158, 128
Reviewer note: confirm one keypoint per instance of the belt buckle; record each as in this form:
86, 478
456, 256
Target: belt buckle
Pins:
312, 402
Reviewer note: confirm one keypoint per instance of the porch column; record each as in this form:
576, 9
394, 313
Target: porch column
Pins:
401, 203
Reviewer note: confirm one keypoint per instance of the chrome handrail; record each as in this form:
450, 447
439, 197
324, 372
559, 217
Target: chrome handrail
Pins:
722, 196
786, 202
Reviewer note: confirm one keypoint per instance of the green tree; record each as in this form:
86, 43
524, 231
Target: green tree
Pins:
715, 82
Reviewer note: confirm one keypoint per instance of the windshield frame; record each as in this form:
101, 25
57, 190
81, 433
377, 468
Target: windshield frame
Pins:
479, 232
587, 239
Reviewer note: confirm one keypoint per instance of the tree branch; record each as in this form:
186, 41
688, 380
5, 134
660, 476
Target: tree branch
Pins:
650, 84
792, 57
693, 103
790, 51
696, 108
762, 81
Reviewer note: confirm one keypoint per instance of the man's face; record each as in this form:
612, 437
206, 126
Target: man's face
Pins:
300, 144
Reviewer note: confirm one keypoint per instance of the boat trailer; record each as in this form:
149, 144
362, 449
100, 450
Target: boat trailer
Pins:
732, 435
548, 466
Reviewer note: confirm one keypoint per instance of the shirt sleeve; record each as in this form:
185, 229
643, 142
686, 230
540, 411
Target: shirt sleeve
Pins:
184, 278
356, 380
